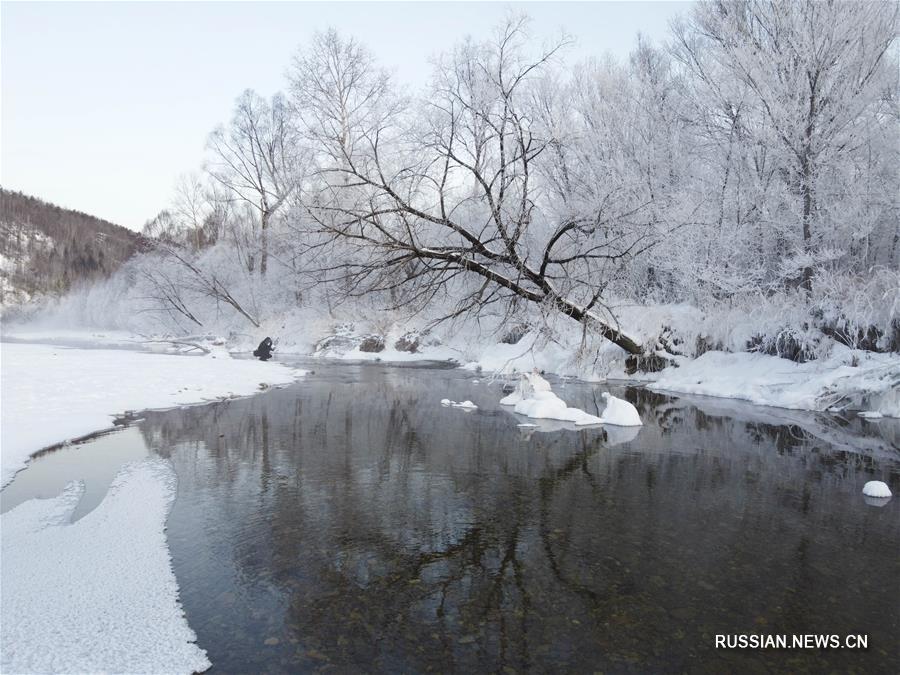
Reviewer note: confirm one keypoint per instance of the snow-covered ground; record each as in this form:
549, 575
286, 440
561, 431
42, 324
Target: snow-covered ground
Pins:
74, 337
98, 595
53, 394
848, 378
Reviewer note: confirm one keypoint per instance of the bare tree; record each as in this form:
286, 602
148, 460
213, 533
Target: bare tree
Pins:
178, 275
255, 158
192, 206
163, 288
457, 194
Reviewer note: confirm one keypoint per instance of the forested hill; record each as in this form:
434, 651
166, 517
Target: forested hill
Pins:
45, 249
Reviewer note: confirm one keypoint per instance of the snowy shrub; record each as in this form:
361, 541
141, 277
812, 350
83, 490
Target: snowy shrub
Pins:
860, 311
795, 344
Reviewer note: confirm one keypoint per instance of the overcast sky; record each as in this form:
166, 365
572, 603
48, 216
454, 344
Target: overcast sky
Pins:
105, 104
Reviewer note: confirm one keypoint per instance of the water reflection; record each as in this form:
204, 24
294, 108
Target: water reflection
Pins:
95, 463
351, 521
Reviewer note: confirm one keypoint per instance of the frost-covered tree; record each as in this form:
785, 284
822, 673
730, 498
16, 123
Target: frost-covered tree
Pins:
256, 158
339, 93
793, 91
748, 168
474, 184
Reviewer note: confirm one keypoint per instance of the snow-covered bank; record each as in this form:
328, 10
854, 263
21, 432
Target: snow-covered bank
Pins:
73, 337
841, 378
846, 379
53, 394
558, 358
98, 595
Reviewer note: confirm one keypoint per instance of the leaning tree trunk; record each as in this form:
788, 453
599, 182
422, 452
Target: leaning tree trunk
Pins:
609, 332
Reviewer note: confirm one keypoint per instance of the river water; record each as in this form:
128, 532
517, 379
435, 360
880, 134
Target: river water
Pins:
351, 523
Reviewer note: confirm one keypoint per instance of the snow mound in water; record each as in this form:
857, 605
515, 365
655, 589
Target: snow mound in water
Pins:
537, 382
534, 399
464, 404
619, 412
468, 405
512, 398
875, 488
547, 405
529, 383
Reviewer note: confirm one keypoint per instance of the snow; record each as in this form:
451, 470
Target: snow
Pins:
547, 405
537, 382
523, 356
842, 379
468, 405
533, 398
845, 378
53, 394
511, 399
521, 392
875, 488
391, 355
619, 412
98, 595
73, 337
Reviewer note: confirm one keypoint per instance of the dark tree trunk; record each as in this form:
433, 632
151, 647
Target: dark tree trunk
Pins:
264, 243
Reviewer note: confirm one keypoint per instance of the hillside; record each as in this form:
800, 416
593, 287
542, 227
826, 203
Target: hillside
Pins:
46, 249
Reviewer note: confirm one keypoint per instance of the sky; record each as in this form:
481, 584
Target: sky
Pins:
104, 105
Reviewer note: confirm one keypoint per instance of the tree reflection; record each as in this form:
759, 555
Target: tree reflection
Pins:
361, 525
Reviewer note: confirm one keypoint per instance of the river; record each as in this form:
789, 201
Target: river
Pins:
351, 522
